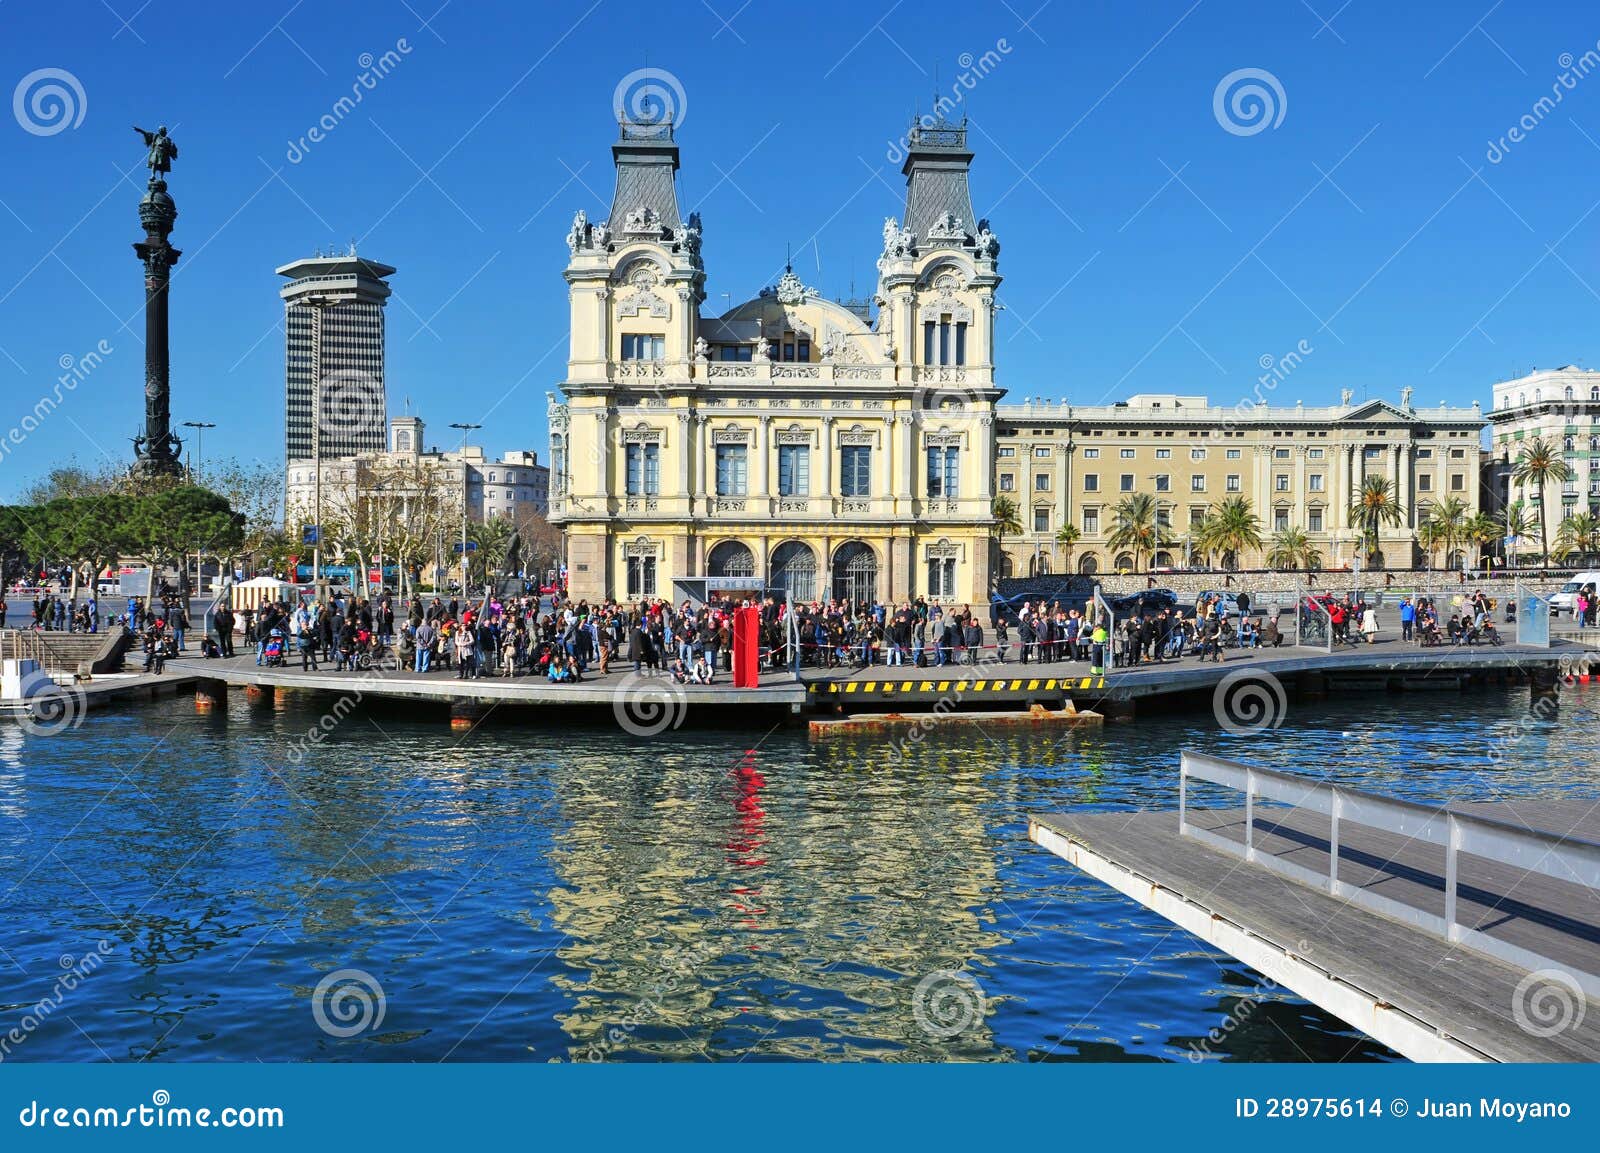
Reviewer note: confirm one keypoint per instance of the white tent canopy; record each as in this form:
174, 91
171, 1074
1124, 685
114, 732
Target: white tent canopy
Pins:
257, 591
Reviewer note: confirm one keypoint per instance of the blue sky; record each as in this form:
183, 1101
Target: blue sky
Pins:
1145, 246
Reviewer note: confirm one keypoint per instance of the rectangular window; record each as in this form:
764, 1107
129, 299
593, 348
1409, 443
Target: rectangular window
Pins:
1199, 453
1126, 454
1197, 483
643, 467
855, 470
638, 346
1041, 520
641, 577
1280, 520
1458, 482
1314, 520
733, 469
1008, 482
735, 352
927, 343
794, 470
942, 578
1233, 482
1197, 515
1280, 454
1091, 482
1233, 454
1041, 482
1163, 483
961, 343
1280, 483
1125, 482
1314, 482
944, 340
802, 351
1008, 450
1042, 453
1315, 453
1424, 482
1091, 454
943, 474
1091, 521
1163, 454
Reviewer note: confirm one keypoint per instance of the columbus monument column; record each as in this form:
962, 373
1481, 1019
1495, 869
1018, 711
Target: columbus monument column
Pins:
156, 449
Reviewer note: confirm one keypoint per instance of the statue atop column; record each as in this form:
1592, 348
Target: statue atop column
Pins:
156, 448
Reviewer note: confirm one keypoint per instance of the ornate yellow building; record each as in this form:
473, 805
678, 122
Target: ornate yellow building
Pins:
829, 449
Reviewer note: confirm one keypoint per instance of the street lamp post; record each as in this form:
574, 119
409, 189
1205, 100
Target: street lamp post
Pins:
465, 429
199, 427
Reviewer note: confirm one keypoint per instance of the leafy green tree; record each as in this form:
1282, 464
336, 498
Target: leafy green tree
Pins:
1540, 464
1067, 540
1230, 528
1375, 505
1136, 522
1292, 549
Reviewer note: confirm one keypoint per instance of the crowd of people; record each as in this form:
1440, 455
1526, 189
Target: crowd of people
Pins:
566, 641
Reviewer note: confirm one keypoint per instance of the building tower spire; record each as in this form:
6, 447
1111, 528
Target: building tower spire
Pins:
935, 168
646, 157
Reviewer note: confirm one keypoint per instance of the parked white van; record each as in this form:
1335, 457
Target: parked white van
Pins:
1566, 600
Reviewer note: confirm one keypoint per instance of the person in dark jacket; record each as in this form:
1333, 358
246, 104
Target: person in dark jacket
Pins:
972, 637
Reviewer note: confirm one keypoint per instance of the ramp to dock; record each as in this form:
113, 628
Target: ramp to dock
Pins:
1453, 933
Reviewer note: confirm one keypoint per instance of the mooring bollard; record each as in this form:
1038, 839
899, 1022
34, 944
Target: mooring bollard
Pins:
209, 693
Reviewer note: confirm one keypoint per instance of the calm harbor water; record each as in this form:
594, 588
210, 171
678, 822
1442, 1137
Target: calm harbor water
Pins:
534, 894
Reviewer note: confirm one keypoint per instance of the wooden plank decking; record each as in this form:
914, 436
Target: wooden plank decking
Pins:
1408, 987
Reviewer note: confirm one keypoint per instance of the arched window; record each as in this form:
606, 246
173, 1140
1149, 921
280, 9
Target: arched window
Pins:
1123, 561
1163, 560
1538, 395
1522, 398
855, 572
730, 558
402, 440
1008, 567
1088, 563
794, 569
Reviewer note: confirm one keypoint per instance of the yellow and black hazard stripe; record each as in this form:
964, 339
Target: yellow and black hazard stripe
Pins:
1004, 686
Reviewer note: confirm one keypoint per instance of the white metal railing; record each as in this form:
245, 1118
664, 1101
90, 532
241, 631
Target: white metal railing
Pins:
1566, 857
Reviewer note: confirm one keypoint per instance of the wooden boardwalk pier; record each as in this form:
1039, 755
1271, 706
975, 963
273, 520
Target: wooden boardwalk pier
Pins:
1468, 932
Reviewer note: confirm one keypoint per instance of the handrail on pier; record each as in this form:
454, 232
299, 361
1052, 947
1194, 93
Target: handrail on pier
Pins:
1562, 857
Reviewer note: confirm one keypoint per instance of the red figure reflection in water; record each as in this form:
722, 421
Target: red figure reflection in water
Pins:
748, 783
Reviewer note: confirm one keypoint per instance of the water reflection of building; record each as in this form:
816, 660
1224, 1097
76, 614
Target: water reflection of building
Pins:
786, 904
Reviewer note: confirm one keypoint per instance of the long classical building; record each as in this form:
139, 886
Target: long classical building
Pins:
855, 450
791, 439
1299, 467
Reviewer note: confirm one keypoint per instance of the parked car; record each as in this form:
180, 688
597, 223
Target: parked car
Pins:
1566, 600
1146, 600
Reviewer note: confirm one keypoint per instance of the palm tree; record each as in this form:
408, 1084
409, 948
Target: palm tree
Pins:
1067, 538
1292, 549
1007, 522
1430, 535
1480, 530
1230, 528
1577, 534
1377, 504
1450, 515
1539, 463
1516, 520
1137, 521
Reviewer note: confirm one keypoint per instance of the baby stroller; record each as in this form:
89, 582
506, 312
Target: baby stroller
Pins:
272, 653
369, 650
